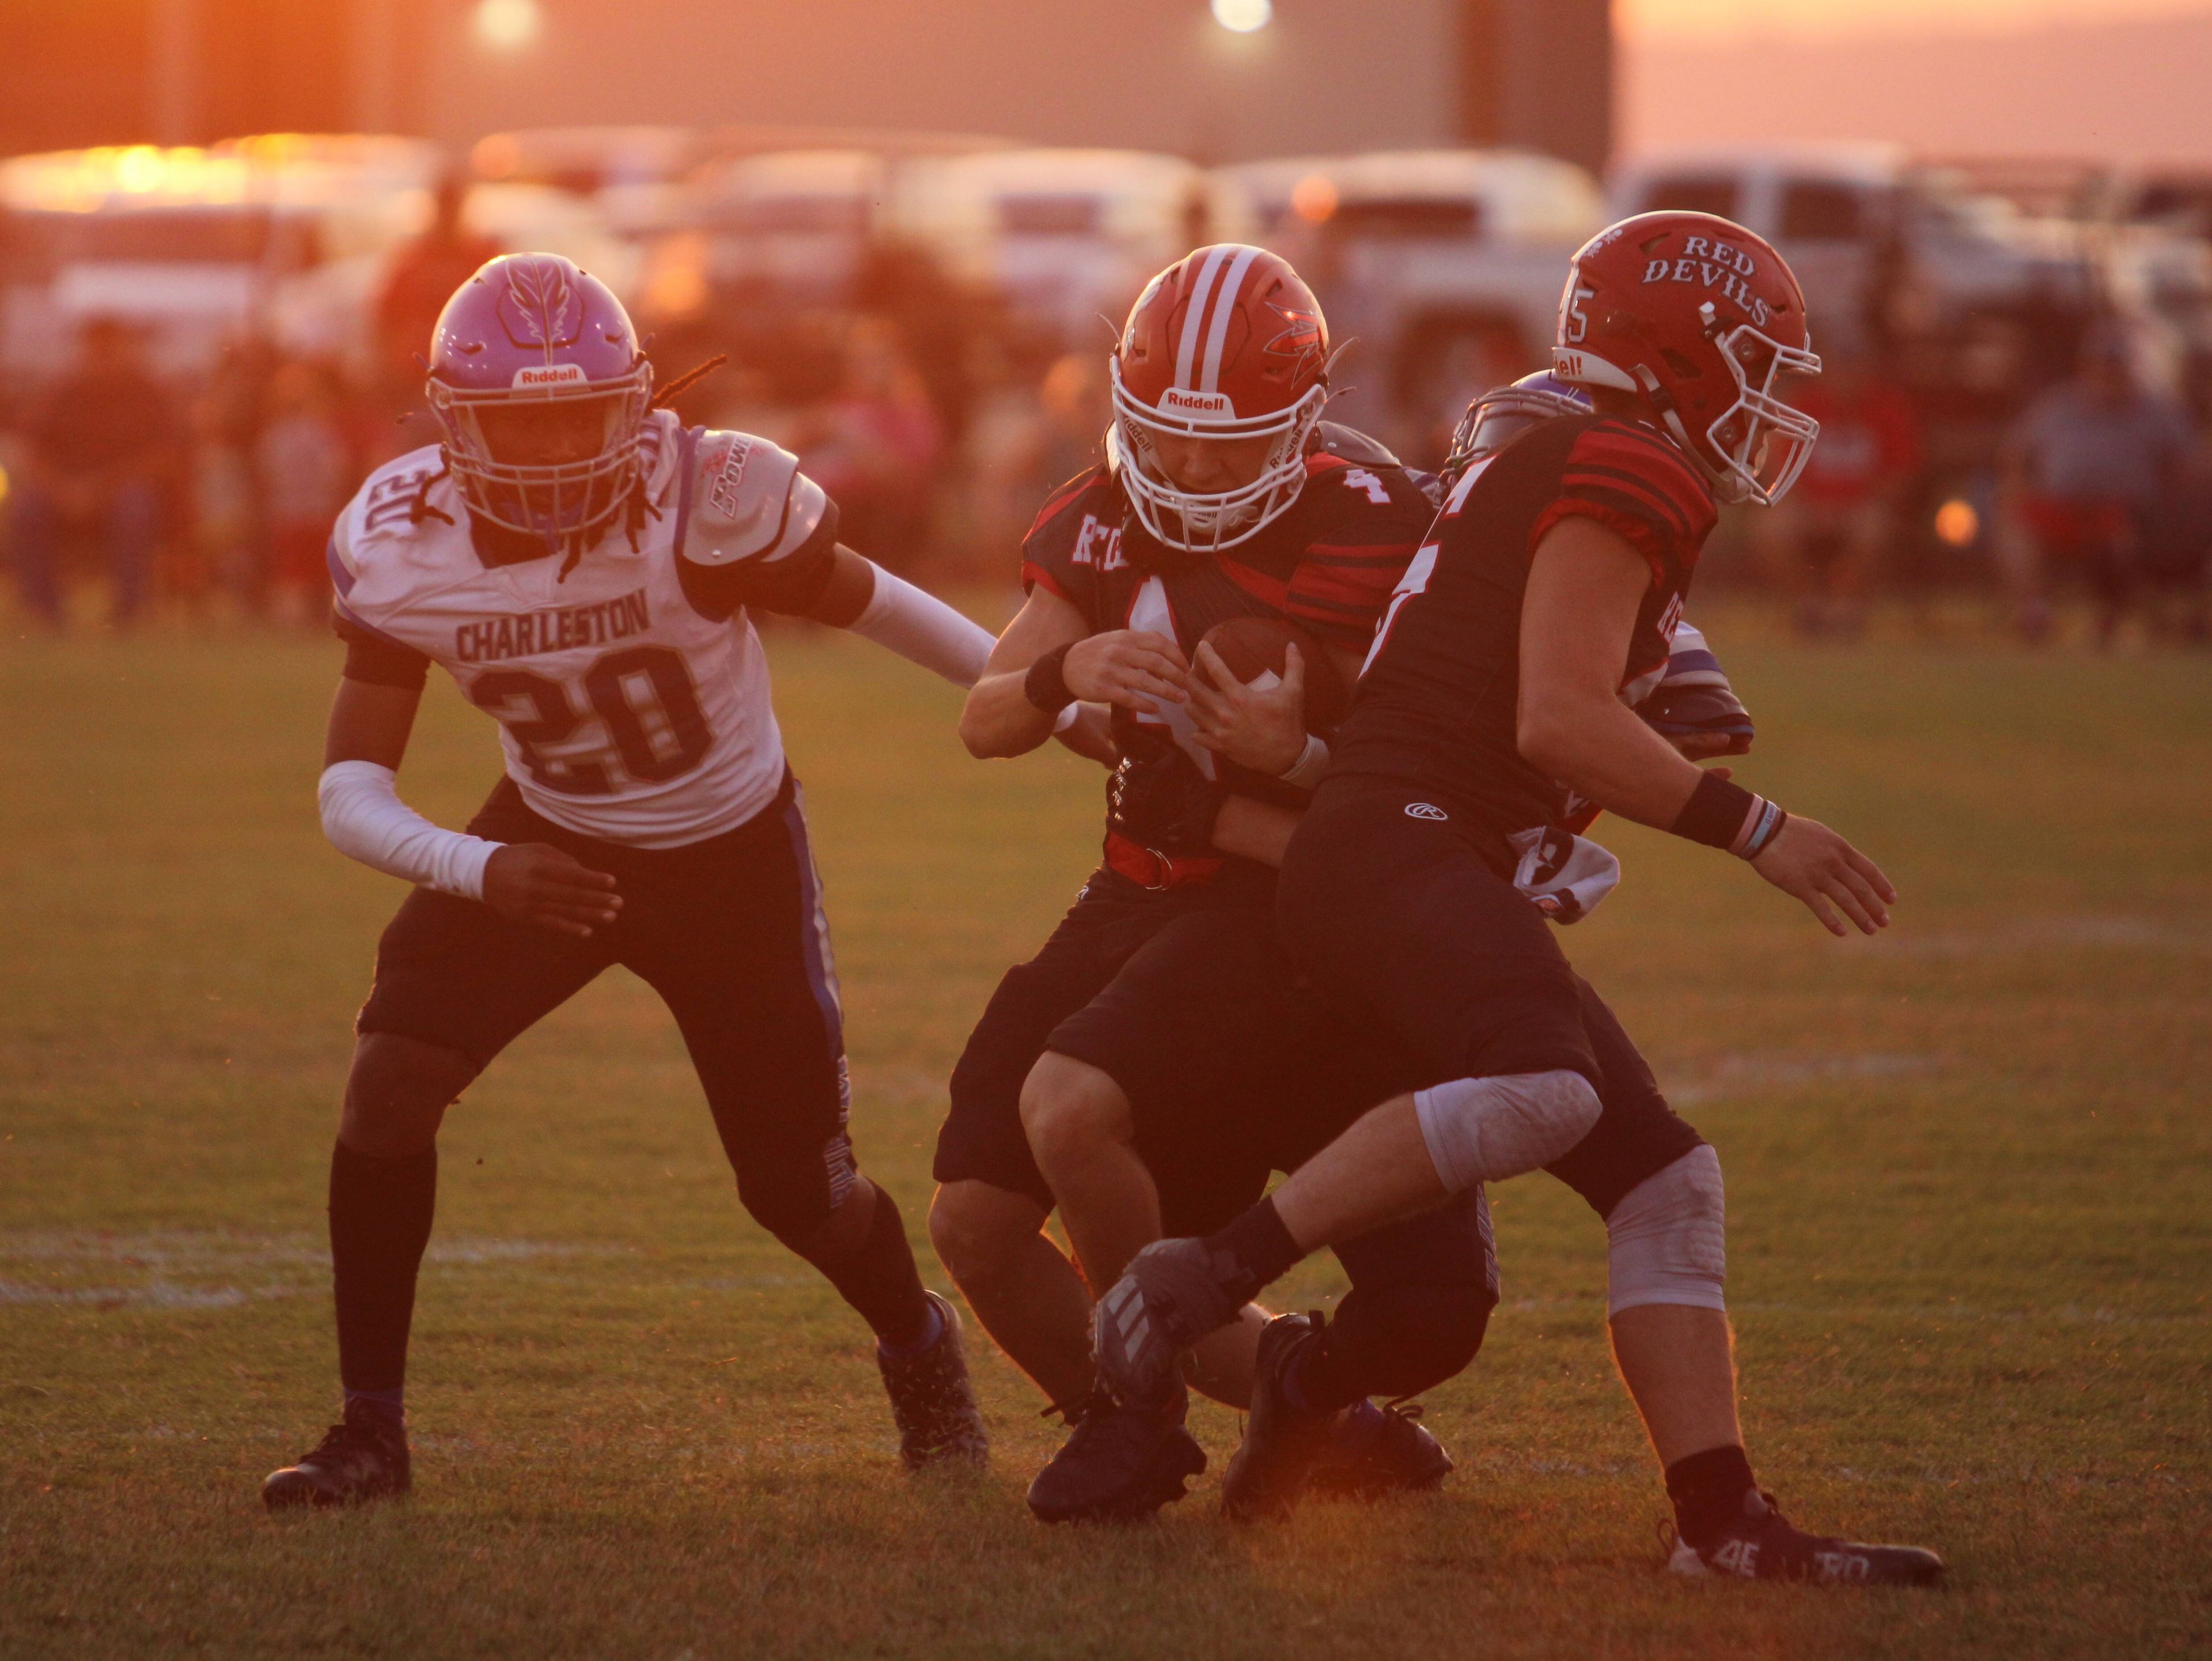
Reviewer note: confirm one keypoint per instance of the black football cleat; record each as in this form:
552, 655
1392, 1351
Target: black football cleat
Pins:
1764, 1545
366, 1457
1122, 1465
1377, 1451
934, 1402
1283, 1442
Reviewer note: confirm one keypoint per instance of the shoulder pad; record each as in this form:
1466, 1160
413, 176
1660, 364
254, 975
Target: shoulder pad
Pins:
383, 509
749, 501
1353, 446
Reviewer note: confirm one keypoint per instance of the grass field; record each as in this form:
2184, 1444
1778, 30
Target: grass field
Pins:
1971, 1210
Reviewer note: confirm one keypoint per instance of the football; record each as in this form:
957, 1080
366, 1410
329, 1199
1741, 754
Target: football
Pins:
1253, 647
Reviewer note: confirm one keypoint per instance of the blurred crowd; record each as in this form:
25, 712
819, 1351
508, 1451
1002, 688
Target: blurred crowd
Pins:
939, 417
215, 493
2099, 488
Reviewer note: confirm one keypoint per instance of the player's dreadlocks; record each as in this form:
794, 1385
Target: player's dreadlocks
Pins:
684, 382
639, 507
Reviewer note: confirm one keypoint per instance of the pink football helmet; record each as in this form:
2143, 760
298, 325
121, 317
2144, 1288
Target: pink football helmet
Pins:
528, 332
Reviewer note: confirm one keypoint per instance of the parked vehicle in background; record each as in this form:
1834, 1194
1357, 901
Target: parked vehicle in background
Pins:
634, 175
2150, 229
1968, 305
279, 235
797, 224
546, 219
284, 238
1444, 266
1955, 287
1065, 237
776, 232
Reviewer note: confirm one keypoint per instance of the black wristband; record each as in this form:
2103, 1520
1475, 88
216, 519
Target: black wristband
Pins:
1716, 814
1045, 686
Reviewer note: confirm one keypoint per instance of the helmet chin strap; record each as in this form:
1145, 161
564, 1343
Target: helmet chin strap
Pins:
1725, 484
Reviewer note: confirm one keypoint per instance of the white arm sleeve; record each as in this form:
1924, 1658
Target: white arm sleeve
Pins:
365, 819
924, 630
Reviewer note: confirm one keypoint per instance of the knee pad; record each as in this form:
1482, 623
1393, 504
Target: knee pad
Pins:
1667, 1241
1484, 1130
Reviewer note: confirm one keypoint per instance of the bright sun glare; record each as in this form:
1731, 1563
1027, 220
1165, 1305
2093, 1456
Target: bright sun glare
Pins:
508, 25
1243, 16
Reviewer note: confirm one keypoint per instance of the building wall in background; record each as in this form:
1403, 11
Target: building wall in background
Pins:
1538, 74
2132, 87
73, 72
1148, 74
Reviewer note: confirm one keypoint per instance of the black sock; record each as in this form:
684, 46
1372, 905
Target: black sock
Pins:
881, 1281
380, 1212
386, 1407
1260, 1248
1709, 1490
1324, 1377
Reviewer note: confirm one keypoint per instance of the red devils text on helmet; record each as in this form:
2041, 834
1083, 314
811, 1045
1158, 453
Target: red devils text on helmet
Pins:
1705, 323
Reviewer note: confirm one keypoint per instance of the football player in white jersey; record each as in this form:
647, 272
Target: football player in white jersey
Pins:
582, 565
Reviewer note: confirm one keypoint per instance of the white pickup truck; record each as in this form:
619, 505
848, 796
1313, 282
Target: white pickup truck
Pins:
1961, 284
283, 236
280, 235
1444, 267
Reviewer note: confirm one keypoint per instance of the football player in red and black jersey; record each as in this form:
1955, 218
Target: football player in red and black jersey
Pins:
1222, 496
1499, 681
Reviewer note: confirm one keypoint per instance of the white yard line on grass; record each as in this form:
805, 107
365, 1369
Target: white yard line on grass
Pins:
1734, 1075
179, 1269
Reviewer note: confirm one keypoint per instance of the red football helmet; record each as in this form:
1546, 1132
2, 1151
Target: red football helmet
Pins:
1704, 322
1227, 343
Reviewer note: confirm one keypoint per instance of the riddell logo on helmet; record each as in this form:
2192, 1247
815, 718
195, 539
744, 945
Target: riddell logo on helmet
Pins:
550, 374
1207, 404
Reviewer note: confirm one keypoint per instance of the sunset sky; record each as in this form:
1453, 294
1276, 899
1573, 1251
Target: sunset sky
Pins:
2116, 78
1708, 19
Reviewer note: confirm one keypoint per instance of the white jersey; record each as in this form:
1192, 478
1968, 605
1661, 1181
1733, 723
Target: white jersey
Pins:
633, 694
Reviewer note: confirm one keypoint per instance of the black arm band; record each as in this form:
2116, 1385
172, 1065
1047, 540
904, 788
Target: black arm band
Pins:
1727, 817
1045, 686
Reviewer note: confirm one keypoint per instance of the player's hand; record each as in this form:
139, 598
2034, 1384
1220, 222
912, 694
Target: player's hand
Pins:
1157, 799
1262, 728
1133, 667
1091, 735
537, 883
1829, 875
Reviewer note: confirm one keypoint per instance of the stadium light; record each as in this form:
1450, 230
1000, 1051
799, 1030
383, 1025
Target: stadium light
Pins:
1243, 16
507, 25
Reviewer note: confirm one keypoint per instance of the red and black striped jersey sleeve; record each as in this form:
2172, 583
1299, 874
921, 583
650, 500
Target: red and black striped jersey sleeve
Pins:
1373, 520
1065, 547
1643, 489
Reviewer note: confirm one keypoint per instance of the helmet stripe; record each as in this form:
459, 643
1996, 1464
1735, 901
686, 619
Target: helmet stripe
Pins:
1224, 309
1193, 319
